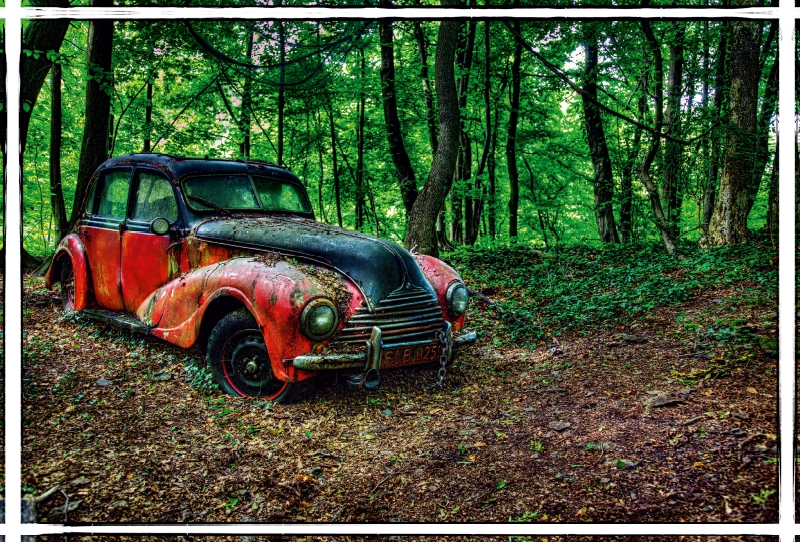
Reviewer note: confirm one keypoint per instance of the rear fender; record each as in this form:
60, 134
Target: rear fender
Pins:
275, 293
441, 276
72, 247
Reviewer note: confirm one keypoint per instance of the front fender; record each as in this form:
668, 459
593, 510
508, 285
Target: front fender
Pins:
71, 247
275, 293
441, 276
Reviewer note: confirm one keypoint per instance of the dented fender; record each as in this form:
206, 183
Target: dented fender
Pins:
441, 276
275, 293
72, 247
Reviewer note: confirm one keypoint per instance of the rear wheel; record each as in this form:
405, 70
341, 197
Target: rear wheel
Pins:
67, 285
239, 360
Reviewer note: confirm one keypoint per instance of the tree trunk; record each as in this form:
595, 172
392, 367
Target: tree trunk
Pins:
772, 201
282, 98
336, 187
729, 222
644, 169
511, 143
148, 117
430, 114
247, 100
768, 109
59, 213
598, 149
40, 35
673, 159
402, 163
464, 172
360, 149
710, 191
626, 178
477, 204
421, 229
94, 150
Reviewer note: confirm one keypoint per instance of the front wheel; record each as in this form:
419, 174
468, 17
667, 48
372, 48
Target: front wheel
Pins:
239, 360
67, 285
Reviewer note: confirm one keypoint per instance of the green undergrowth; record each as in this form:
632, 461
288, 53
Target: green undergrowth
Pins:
578, 287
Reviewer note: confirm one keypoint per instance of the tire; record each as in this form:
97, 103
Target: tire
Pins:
67, 285
239, 360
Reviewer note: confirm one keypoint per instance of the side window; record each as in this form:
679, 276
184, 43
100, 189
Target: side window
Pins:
112, 194
154, 198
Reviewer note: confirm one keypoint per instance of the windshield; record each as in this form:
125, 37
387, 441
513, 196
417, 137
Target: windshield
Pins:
244, 193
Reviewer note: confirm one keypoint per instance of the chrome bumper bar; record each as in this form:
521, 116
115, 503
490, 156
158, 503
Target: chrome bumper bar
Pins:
370, 357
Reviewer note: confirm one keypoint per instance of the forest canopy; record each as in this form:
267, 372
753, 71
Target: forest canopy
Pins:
567, 131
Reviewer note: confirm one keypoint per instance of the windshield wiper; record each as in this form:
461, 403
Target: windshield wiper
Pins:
214, 206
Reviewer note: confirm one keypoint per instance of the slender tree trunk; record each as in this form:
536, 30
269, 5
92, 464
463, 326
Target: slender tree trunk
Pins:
421, 229
247, 99
336, 187
94, 150
598, 148
282, 97
710, 192
464, 172
729, 222
626, 178
644, 169
59, 213
40, 35
511, 143
430, 113
320, 202
477, 204
673, 151
4, 115
768, 108
148, 117
402, 163
360, 149
772, 200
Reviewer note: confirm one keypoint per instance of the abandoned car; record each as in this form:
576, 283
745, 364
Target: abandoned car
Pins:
226, 254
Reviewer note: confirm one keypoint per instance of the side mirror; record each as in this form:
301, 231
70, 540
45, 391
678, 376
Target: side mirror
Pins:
159, 225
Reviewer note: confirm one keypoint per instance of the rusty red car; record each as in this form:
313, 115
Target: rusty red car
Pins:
227, 255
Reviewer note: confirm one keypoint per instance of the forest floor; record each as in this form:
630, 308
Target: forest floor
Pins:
667, 417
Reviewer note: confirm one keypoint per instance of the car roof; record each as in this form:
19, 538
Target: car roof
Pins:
178, 166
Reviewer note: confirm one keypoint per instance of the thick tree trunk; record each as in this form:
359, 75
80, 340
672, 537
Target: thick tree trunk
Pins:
729, 222
644, 169
421, 229
402, 163
40, 35
511, 143
94, 150
3, 111
673, 159
717, 144
598, 149
430, 113
59, 213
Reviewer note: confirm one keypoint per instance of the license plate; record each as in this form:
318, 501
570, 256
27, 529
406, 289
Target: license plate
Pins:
412, 355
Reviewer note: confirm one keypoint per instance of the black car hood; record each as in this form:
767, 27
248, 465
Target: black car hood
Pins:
377, 266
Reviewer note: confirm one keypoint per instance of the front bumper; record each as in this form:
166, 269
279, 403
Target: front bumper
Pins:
370, 357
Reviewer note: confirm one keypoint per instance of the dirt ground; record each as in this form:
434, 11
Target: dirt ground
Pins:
617, 425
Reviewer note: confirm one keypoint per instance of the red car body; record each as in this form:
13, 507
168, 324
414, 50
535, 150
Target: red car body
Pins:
182, 283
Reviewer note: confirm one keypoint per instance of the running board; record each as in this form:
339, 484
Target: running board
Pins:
117, 320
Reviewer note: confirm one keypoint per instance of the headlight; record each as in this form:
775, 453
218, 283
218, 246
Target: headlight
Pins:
457, 298
319, 319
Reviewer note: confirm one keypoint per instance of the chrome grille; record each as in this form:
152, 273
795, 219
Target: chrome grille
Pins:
406, 317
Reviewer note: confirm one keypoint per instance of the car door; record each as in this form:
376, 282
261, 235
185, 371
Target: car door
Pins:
149, 260
100, 229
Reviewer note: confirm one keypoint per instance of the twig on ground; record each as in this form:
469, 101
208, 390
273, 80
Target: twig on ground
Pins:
374, 489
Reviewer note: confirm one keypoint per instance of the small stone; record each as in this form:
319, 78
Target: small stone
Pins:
760, 448
605, 480
387, 412
559, 426
103, 382
163, 376
630, 338
467, 432
386, 452
119, 504
530, 409
739, 415
79, 482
